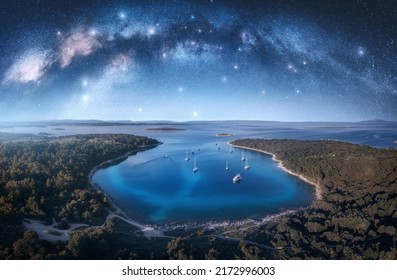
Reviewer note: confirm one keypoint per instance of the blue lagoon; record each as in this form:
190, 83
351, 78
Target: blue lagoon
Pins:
159, 185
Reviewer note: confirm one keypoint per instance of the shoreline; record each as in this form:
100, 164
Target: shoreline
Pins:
148, 231
317, 187
109, 163
158, 230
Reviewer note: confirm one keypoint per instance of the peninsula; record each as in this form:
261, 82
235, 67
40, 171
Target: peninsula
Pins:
46, 178
357, 213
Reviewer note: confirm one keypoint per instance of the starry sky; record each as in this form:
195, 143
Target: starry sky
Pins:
283, 60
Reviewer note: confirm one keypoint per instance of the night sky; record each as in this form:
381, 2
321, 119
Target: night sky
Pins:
198, 60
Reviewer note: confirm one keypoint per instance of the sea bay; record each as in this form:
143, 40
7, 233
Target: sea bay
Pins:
158, 186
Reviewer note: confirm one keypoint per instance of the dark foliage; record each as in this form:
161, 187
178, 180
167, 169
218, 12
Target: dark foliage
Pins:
48, 177
357, 215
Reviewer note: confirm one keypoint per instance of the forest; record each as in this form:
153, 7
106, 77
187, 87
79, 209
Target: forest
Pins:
48, 177
357, 215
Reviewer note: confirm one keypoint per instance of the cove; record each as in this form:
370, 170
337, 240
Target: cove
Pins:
158, 186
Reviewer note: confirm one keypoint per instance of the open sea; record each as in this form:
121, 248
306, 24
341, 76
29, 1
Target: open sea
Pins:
158, 186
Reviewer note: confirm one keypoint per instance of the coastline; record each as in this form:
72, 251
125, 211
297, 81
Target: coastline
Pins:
317, 187
109, 163
148, 231
151, 231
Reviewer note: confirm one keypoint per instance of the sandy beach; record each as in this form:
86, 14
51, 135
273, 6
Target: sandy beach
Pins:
318, 192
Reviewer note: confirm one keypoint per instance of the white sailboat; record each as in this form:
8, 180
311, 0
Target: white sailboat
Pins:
187, 157
227, 165
242, 156
246, 165
195, 168
237, 178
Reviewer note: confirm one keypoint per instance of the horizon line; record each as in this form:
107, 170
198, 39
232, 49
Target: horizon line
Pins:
186, 121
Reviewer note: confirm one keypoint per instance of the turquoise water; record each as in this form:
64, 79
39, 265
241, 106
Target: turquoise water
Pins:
159, 186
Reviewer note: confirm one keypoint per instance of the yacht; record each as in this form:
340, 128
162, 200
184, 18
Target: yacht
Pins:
187, 157
246, 165
237, 178
195, 168
242, 156
227, 165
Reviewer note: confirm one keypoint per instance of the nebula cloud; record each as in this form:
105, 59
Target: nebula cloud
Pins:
29, 67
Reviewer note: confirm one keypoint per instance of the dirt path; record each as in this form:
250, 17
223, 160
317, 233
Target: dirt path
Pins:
53, 234
50, 232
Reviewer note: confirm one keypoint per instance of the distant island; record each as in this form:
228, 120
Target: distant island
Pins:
224, 135
164, 129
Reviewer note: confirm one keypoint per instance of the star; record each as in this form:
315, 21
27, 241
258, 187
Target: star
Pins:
361, 51
151, 31
122, 15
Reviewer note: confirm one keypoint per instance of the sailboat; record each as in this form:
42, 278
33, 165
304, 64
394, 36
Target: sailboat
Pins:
242, 156
246, 165
195, 168
237, 178
187, 157
227, 165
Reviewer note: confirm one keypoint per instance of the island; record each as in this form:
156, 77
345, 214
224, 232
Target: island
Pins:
224, 135
164, 129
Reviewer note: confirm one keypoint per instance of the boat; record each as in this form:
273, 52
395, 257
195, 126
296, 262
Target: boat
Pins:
237, 178
195, 168
227, 165
246, 165
231, 151
242, 156
187, 157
